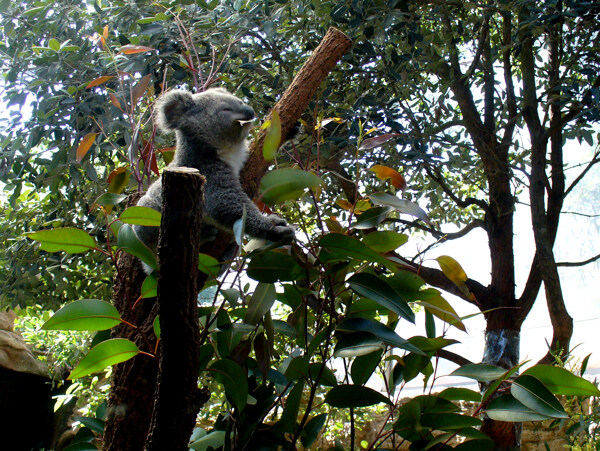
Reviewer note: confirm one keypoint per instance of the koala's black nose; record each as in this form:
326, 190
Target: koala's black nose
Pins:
248, 113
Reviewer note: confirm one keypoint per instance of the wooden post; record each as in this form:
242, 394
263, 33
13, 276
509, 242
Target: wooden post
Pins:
178, 399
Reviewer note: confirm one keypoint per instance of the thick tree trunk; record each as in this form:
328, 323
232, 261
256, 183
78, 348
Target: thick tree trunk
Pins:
133, 382
178, 399
502, 349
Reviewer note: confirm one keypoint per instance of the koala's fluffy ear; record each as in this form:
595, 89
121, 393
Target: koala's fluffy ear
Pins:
170, 108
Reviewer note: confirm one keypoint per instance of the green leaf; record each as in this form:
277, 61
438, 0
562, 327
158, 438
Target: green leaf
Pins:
272, 266
311, 430
298, 369
371, 218
507, 408
129, 242
149, 286
54, 44
530, 392
431, 344
385, 240
260, 303
378, 290
381, 331
480, 372
403, 206
109, 352
460, 394
287, 422
94, 424
273, 137
363, 366
233, 378
141, 216
448, 421
212, 440
110, 199
284, 184
344, 247
84, 314
344, 396
327, 375
67, 239
209, 265
562, 382
205, 355
356, 344
156, 326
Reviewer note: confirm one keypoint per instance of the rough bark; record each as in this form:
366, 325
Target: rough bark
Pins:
295, 99
133, 382
177, 398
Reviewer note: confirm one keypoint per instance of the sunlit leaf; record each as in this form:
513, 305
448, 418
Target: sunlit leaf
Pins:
530, 392
67, 239
141, 216
284, 184
403, 206
562, 382
84, 314
84, 146
99, 81
209, 265
272, 138
110, 199
212, 440
384, 172
109, 352
131, 49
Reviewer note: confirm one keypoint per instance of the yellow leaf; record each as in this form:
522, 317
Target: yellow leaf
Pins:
343, 203
453, 271
384, 172
105, 32
272, 138
84, 146
98, 81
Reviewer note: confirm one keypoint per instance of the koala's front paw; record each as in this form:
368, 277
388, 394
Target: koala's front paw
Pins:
281, 232
277, 220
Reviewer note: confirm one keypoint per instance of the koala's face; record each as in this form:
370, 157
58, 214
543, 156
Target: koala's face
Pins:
214, 116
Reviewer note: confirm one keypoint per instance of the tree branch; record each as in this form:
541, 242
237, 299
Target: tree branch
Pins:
582, 263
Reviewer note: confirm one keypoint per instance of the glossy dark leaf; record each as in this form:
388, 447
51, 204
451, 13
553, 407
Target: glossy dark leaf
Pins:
233, 378
270, 267
533, 394
343, 396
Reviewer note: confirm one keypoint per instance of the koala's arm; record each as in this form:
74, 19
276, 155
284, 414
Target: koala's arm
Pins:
225, 201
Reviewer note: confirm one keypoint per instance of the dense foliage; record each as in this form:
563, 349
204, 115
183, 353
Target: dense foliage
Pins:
474, 102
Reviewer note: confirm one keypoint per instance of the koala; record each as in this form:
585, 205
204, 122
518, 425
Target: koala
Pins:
211, 128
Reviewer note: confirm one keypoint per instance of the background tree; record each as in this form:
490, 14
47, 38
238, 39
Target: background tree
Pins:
483, 99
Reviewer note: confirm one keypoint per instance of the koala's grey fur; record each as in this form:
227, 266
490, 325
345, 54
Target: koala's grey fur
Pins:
211, 138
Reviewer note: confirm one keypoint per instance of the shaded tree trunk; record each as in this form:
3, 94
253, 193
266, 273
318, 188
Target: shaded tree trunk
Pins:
177, 398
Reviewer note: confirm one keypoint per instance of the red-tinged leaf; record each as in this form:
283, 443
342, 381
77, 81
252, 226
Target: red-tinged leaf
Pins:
102, 42
377, 141
117, 180
115, 101
139, 89
264, 208
105, 32
98, 81
168, 153
84, 146
132, 49
384, 172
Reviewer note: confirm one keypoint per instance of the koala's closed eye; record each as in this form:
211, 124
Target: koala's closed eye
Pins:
218, 149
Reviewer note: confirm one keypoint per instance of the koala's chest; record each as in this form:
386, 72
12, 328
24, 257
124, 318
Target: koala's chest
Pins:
235, 156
